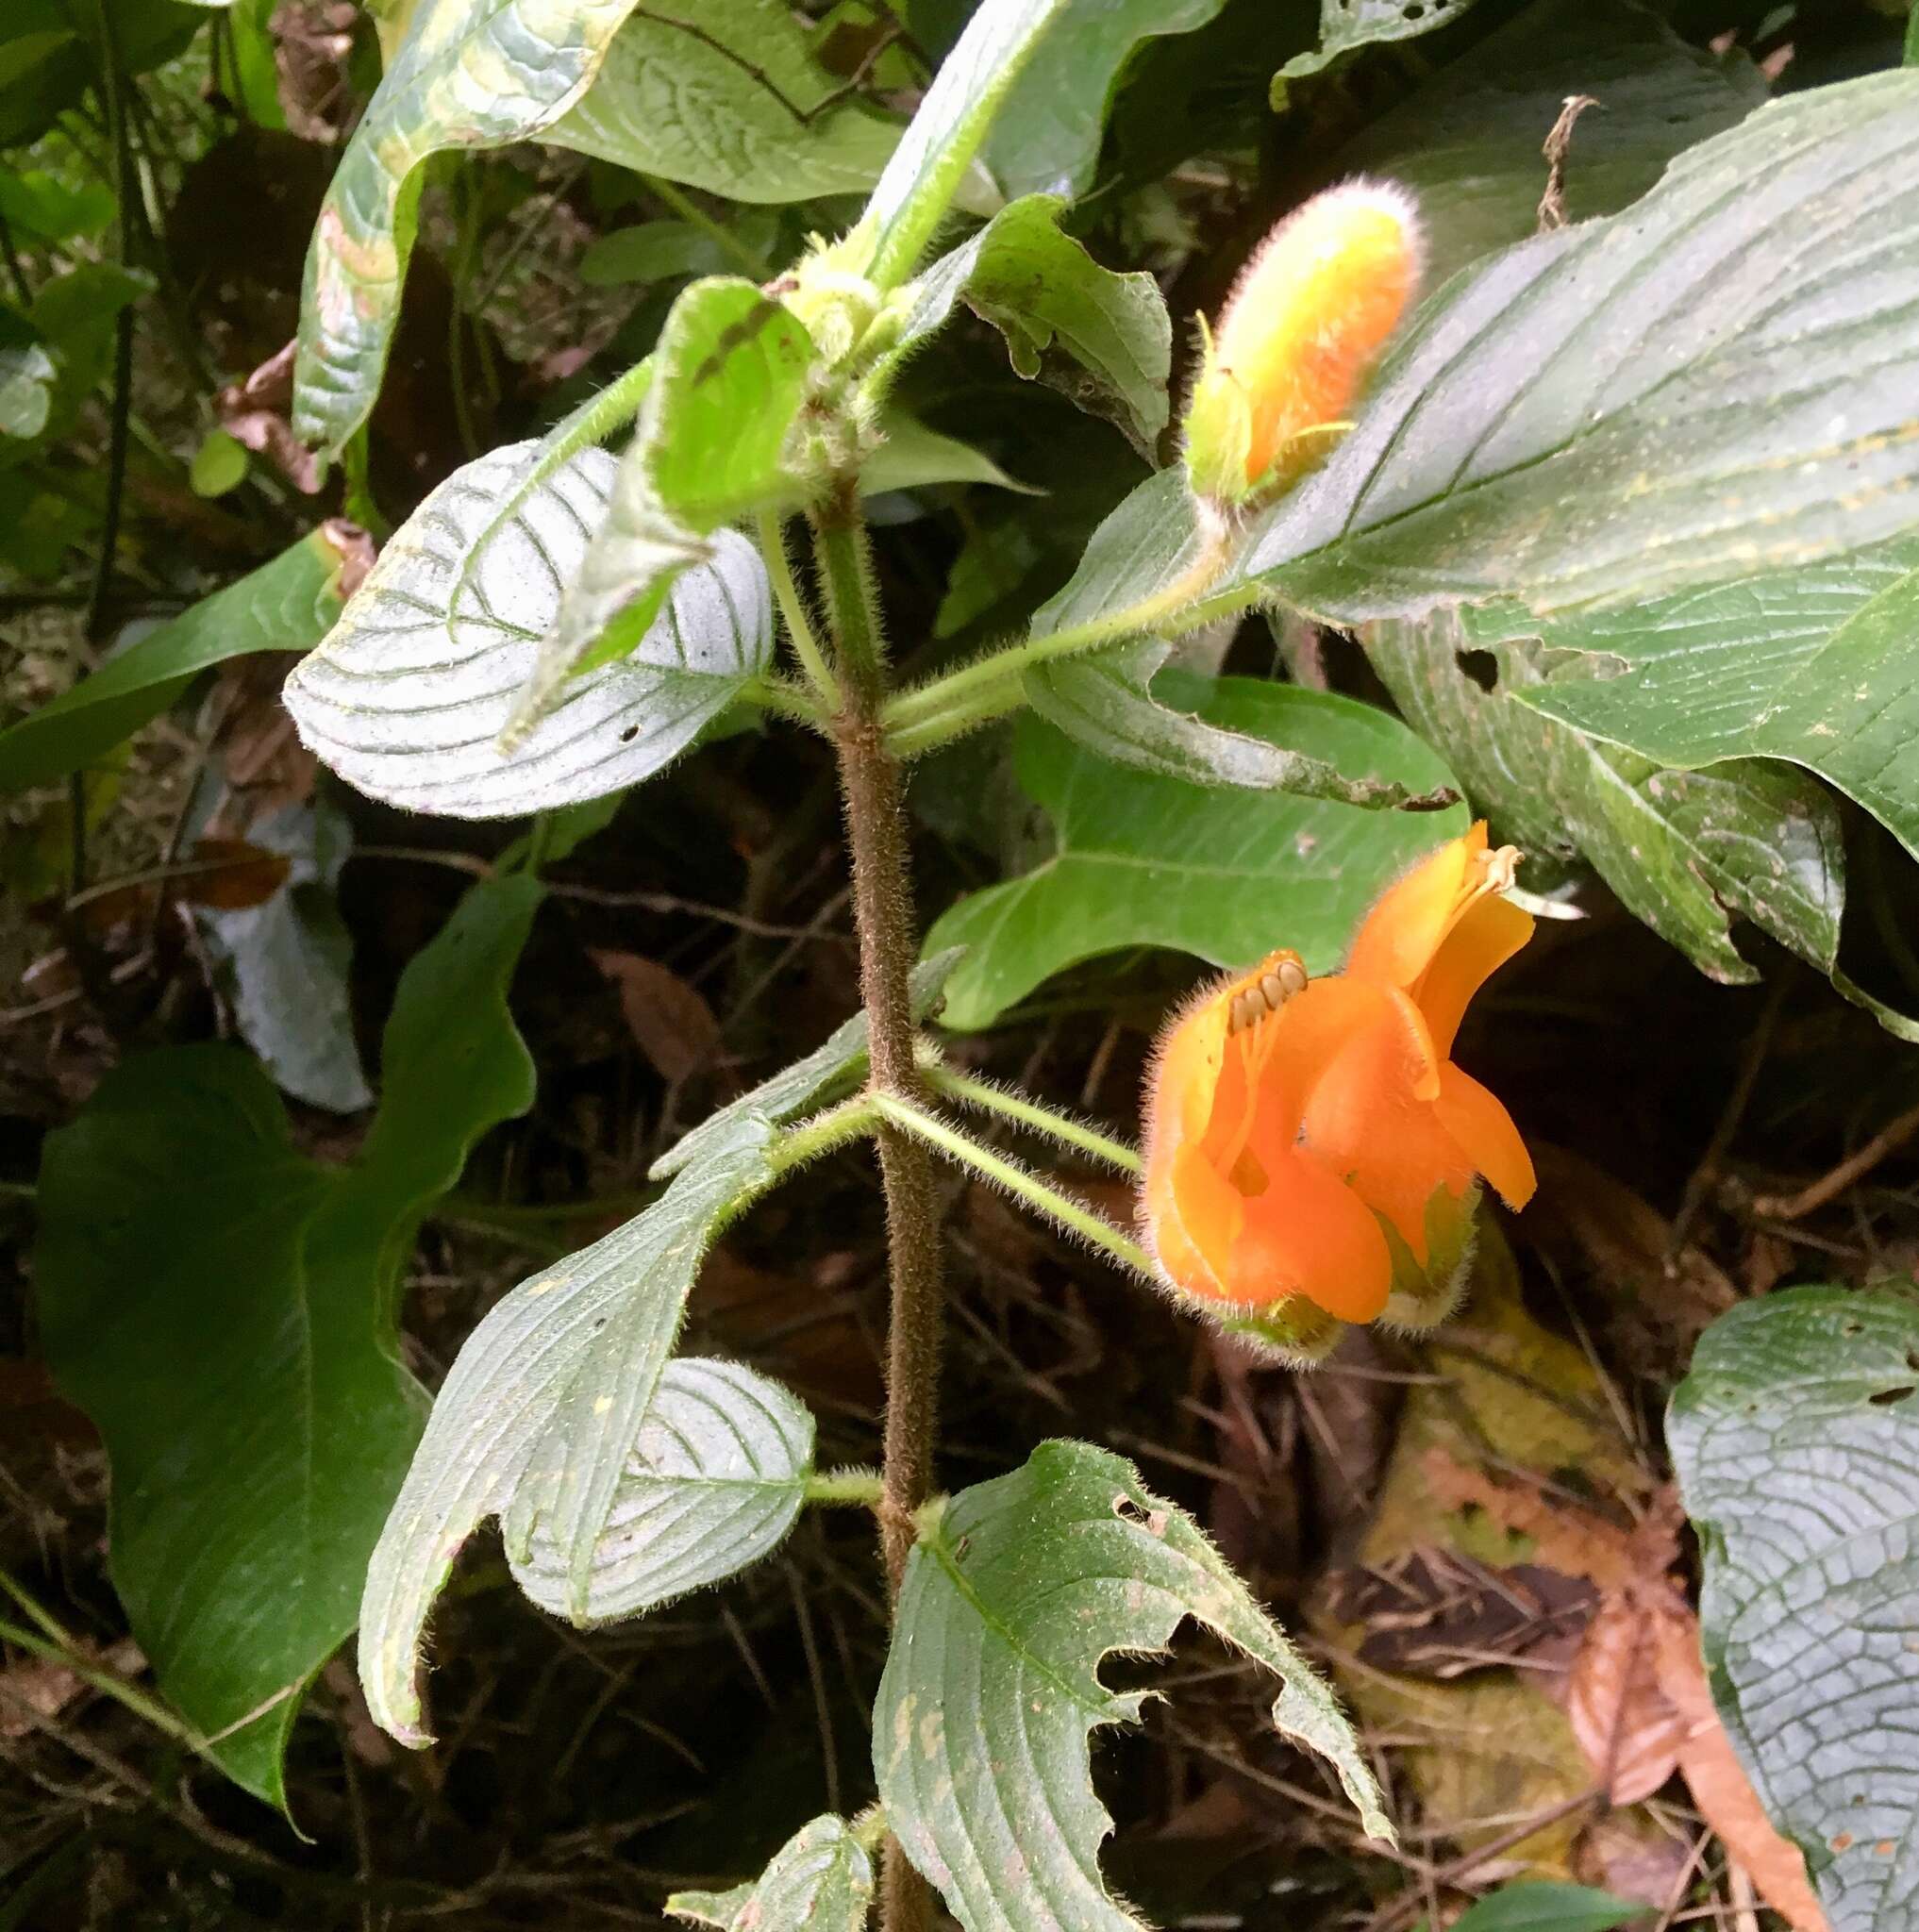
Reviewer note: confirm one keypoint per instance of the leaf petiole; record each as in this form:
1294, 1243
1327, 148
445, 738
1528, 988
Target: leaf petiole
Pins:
785, 591
1028, 1113
1017, 1182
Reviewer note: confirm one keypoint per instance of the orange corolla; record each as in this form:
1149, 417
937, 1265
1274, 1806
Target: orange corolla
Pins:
1309, 1146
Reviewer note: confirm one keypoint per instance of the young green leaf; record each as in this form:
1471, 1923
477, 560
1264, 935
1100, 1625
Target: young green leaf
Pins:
462, 77
1813, 666
538, 1412
823, 1074
739, 108
1345, 25
1105, 701
729, 374
288, 605
1467, 141
1151, 860
1716, 381
913, 457
821, 1880
1686, 852
225, 1310
921, 180
1046, 136
1015, 1590
1796, 1438
1102, 338
406, 698
1543, 1905
714, 1480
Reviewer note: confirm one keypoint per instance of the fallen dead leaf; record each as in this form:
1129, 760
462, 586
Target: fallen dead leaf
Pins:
1624, 1721
1719, 1785
669, 1022
231, 874
255, 413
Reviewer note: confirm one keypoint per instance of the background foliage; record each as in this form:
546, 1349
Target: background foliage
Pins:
298, 1083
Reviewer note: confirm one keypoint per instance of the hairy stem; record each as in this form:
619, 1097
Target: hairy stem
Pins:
883, 917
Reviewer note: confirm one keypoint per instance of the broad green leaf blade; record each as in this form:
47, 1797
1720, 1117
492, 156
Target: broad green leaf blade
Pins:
1015, 1590
821, 1075
1104, 701
1685, 852
913, 457
714, 1480
821, 1880
1796, 1438
729, 374
290, 956
911, 197
1046, 136
1345, 25
1467, 142
1548, 1906
224, 1309
539, 1411
1716, 381
1102, 338
464, 77
734, 107
408, 695
1813, 666
1150, 860
287, 605
28, 378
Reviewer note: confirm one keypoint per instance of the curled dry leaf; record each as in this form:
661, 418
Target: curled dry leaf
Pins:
255, 413
230, 875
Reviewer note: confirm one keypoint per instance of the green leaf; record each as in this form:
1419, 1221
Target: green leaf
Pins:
220, 464
821, 1074
48, 210
464, 77
289, 958
1548, 1906
821, 1880
539, 1411
933, 155
406, 698
1345, 25
913, 456
1716, 381
1796, 1438
1683, 852
736, 107
224, 1308
652, 252
287, 605
1813, 666
46, 66
714, 1480
1104, 701
1046, 136
729, 374
28, 377
1151, 860
1102, 338
1467, 142
1015, 1590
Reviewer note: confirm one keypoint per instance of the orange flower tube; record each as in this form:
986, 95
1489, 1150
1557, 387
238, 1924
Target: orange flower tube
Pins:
1312, 1155
1299, 337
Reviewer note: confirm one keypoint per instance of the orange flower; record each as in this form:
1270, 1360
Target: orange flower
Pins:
1310, 1147
1299, 337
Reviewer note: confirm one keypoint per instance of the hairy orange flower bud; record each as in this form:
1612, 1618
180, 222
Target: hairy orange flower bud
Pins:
1299, 337
1312, 1152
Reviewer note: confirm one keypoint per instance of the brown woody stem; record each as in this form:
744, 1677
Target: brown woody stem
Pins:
883, 915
